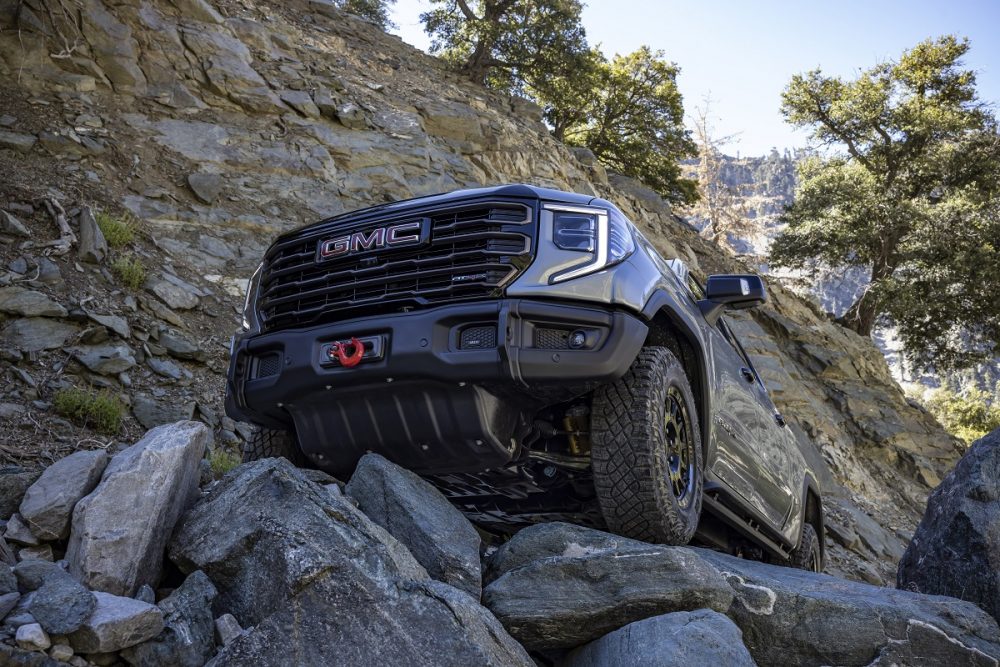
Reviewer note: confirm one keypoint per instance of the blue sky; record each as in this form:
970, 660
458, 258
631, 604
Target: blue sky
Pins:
744, 53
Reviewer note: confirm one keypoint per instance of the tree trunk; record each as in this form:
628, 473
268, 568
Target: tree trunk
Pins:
862, 314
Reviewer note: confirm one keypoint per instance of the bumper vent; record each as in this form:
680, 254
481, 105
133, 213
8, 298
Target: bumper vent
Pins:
551, 339
267, 365
474, 250
478, 338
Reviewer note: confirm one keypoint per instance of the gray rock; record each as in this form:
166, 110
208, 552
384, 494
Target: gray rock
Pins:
117, 623
61, 604
31, 574
167, 369
48, 504
181, 348
151, 412
701, 637
187, 639
146, 594
586, 589
16, 141
352, 116
14, 482
174, 296
416, 514
117, 324
11, 225
38, 551
108, 359
93, 246
156, 479
61, 652
550, 539
28, 303
7, 602
8, 580
13, 656
18, 532
34, 334
12, 410
227, 629
301, 102
956, 549
32, 637
205, 186
6, 553
198, 10
793, 616
285, 553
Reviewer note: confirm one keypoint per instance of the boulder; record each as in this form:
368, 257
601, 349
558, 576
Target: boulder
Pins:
32, 637
175, 296
956, 549
19, 533
301, 101
117, 623
7, 602
181, 348
28, 303
48, 504
93, 246
110, 359
188, 637
205, 186
61, 604
578, 588
31, 574
284, 553
227, 629
156, 479
702, 637
14, 483
12, 656
151, 412
18, 142
797, 617
416, 514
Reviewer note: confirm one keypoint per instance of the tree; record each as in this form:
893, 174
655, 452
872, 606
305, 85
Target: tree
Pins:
503, 43
376, 11
720, 205
907, 187
968, 415
635, 123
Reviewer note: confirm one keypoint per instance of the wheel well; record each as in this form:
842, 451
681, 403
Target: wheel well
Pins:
666, 332
813, 515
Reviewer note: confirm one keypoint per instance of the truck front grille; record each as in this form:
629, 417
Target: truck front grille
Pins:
474, 250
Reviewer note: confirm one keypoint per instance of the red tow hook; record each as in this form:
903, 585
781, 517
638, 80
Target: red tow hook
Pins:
348, 360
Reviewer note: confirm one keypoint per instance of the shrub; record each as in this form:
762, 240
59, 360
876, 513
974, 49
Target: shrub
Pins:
130, 271
968, 415
101, 411
118, 232
222, 461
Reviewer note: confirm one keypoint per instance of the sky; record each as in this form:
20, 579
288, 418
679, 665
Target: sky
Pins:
742, 54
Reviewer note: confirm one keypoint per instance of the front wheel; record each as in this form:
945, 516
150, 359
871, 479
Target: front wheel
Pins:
265, 443
646, 451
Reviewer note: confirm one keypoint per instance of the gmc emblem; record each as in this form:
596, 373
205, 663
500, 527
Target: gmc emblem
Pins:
390, 236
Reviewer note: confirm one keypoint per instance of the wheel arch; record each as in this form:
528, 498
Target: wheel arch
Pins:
669, 329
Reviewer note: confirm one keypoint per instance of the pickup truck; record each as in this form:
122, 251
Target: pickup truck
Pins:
531, 354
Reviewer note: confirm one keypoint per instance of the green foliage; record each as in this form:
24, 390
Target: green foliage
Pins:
102, 411
908, 189
376, 11
634, 122
130, 271
506, 43
969, 415
118, 232
222, 461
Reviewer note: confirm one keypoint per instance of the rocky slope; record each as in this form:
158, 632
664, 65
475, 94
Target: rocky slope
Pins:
273, 565
217, 125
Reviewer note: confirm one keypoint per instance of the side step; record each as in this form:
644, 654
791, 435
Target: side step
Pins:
748, 529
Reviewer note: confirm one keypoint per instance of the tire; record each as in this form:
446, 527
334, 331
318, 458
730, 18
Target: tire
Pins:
808, 555
266, 443
639, 460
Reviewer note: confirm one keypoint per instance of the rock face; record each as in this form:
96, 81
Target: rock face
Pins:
796, 617
156, 479
416, 514
284, 552
574, 591
956, 549
48, 504
683, 638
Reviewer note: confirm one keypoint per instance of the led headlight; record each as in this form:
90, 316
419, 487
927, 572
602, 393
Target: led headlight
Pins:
602, 234
250, 321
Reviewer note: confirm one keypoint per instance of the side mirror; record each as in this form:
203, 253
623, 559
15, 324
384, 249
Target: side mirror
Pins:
731, 291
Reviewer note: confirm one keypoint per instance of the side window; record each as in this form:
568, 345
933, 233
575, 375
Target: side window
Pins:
695, 288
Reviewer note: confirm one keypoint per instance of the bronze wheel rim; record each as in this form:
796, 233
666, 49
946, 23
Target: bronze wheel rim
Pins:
680, 448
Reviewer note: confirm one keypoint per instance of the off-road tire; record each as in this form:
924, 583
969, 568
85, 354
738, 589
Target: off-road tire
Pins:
808, 555
266, 443
629, 452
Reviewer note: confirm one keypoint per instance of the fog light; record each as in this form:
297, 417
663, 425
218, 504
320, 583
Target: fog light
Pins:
576, 340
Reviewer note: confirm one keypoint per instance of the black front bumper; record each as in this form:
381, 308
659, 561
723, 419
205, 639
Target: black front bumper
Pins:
424, 401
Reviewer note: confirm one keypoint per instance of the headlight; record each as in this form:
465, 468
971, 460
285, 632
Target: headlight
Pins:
250, 321
602, 234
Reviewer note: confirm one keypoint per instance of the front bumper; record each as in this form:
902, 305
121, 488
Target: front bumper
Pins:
427, 400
